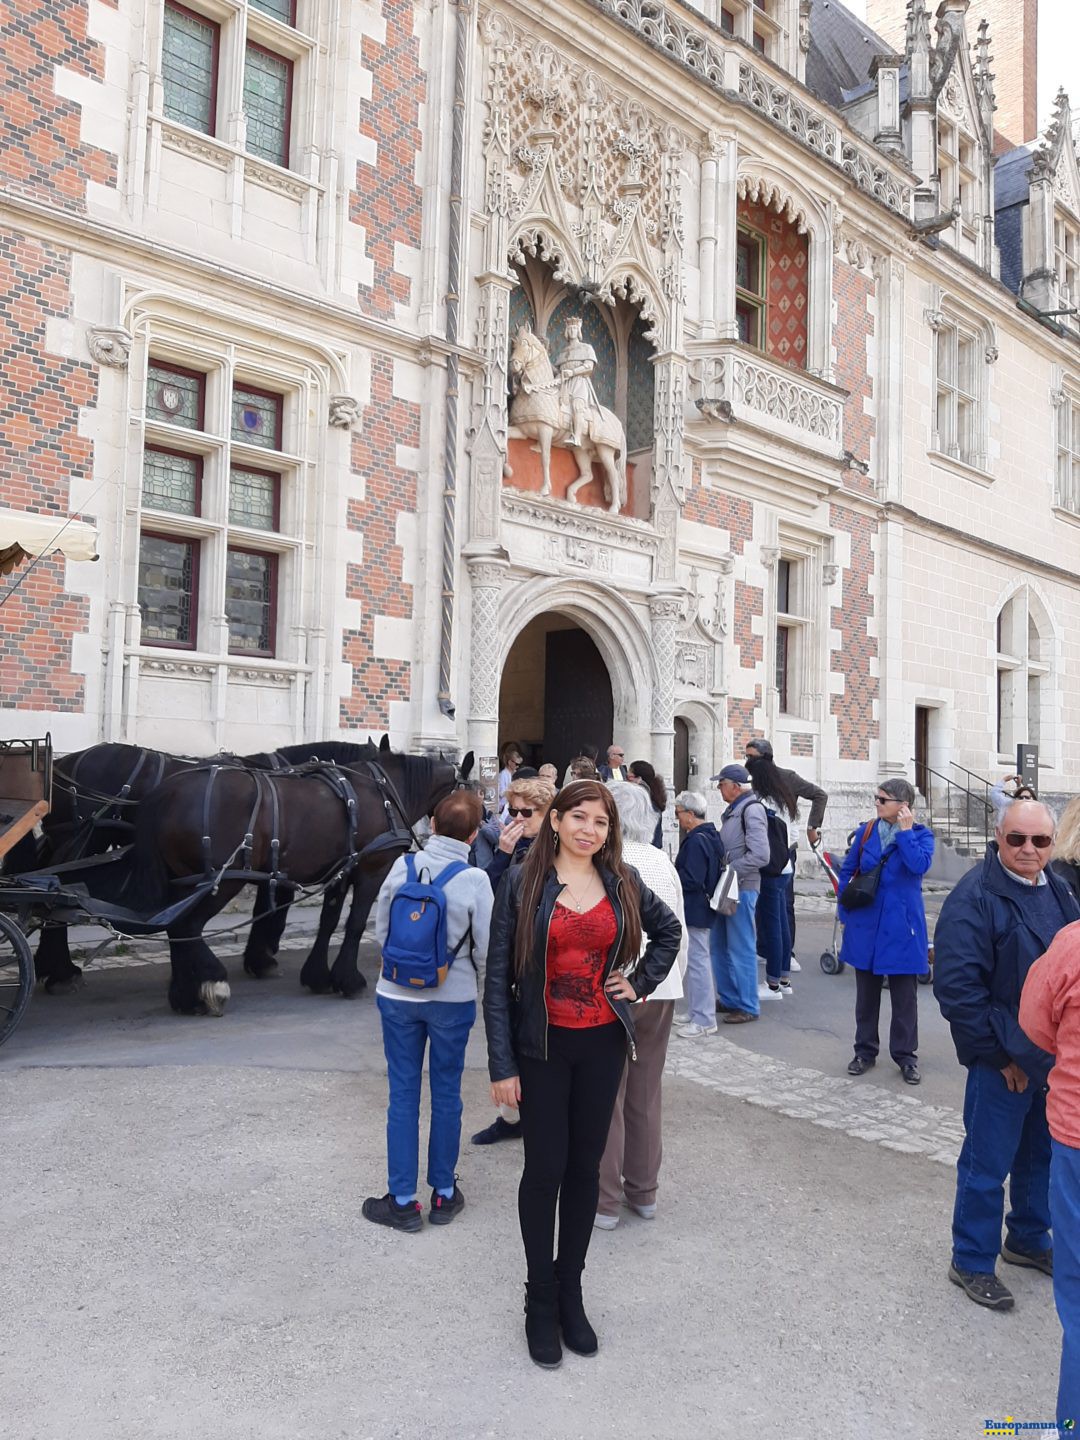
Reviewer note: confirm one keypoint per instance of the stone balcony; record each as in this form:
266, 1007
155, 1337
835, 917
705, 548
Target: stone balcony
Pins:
730, 382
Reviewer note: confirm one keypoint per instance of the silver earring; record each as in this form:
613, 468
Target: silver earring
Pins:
556, 842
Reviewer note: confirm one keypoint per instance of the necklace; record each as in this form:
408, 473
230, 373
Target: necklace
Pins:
579, 903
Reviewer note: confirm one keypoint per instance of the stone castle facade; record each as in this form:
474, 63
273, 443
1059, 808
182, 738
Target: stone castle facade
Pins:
266, 263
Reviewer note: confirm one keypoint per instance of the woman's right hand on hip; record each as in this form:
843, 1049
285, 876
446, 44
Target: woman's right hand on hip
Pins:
506, 1092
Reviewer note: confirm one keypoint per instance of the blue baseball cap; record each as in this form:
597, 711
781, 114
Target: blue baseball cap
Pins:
737, 773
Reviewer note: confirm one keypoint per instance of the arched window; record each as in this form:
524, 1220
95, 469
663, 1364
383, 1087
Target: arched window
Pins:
1023, 673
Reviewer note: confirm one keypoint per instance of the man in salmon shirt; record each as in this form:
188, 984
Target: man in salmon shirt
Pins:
1050, 1016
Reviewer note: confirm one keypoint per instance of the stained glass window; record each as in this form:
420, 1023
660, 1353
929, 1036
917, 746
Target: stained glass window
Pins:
171, 481
189, 68
174, 397
267, 86
249, 601
167, 590
253, 498
256, 418
280, 9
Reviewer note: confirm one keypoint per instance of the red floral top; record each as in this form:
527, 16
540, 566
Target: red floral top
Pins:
577, 953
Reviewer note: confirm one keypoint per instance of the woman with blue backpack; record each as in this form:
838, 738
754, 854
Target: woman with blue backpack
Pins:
565, 968
432, 919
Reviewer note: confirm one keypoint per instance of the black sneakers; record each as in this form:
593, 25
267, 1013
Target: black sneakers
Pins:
384, 1210
1043, 1261
443, 1210
860, 1065
910, 1071
984, 1289
499, 1129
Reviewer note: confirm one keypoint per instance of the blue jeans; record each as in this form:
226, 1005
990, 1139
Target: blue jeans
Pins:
1006, 1137
734, 956
698, 982
407, 1028
1065, 1210
774, 933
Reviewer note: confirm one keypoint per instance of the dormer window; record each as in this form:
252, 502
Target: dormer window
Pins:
1066, 259
956, 168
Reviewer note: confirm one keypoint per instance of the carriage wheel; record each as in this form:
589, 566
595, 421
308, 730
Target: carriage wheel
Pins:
16, 976
831, 962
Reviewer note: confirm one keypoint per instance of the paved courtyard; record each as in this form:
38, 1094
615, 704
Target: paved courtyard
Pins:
184, 1255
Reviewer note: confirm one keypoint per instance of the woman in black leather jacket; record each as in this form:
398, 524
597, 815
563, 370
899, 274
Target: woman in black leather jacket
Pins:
558, 1009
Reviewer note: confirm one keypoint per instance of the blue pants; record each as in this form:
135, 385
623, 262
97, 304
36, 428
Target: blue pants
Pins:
1065, 1210
1006, 1137
774, 934
734, 956
407, 1028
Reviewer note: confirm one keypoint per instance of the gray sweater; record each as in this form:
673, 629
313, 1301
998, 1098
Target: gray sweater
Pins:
468, 901
744, 835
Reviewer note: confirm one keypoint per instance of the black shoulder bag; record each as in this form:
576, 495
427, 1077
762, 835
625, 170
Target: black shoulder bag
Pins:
861, 890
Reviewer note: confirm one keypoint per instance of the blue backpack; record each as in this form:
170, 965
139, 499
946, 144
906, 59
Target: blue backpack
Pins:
415, 952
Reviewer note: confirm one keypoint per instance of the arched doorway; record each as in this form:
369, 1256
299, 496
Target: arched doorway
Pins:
682, 755
555, 695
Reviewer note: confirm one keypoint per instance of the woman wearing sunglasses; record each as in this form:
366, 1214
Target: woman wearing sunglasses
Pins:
888, 935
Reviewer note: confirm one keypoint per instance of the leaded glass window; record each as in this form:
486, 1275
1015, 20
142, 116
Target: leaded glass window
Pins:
267, 87
174, 397
171, 481
253, 498
281, 9
256, 418
249, 601
168, 574
189, 68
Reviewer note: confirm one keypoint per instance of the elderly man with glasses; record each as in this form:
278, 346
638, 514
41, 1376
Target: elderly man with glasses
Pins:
996, 923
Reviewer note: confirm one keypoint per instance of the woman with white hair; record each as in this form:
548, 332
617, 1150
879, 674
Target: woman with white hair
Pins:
630, 1167
1066, 861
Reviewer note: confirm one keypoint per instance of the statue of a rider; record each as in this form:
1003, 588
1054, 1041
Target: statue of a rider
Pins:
575, 364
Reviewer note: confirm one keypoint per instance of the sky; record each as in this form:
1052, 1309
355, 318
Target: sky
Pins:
1059, 51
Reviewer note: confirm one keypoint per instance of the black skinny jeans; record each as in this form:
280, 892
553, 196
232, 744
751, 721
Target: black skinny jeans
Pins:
566, 1106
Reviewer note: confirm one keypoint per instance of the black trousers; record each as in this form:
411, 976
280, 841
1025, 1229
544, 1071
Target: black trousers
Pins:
566, 1106
904, 1030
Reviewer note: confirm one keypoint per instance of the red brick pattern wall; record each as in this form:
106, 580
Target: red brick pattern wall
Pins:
787, 279
721, 510
741, 722
387, 200
854, 325
377, 581
41, 153
40, 449
749, 604
802, 745
854, 709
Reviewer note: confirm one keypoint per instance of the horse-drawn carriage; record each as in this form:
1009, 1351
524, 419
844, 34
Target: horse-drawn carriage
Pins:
144, 843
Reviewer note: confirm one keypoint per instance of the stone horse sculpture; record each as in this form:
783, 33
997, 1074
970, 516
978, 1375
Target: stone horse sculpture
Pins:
537, 412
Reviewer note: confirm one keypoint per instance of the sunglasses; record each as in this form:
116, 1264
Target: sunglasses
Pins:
887, 800
513, 812
1016, 841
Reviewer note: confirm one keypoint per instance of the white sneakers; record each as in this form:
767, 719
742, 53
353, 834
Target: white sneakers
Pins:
766, 992
605, 1222
647, 1212
694, 1031
609, 1222
795, 966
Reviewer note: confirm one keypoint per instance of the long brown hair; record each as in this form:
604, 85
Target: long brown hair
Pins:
539, 862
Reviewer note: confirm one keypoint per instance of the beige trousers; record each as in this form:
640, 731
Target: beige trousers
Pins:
631, 1161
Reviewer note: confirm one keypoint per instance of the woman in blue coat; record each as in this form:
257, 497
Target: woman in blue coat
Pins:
889, 936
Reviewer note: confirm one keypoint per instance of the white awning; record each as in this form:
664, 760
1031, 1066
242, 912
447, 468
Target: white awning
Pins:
22, 535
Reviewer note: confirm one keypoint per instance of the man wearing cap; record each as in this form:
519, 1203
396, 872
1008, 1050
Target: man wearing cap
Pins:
744, 835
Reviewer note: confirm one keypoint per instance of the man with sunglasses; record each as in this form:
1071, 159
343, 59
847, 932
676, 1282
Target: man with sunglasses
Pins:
996, 923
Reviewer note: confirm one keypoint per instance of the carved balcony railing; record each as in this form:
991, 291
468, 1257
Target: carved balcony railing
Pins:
726, 66
732, 382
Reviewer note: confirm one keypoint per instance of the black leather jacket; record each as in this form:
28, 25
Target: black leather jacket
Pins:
515, 1011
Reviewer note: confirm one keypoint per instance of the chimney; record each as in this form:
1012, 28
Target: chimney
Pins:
1013, 32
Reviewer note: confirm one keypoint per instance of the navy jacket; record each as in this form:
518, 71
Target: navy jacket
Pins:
983, 949
699, 862
889, 936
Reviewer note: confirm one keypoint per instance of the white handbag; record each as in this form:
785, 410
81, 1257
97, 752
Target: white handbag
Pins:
725, 898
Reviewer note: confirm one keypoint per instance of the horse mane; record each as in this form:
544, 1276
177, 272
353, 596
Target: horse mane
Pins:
341, 752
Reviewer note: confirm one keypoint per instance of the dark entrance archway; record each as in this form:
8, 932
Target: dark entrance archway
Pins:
555, 697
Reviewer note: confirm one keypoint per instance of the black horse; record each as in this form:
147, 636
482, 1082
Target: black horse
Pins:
302, 826
96, 793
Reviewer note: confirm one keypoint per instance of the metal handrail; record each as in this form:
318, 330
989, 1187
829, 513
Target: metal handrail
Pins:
972, 775
961, 822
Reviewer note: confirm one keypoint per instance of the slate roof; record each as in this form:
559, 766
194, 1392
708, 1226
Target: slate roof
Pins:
842, 49
1011, 177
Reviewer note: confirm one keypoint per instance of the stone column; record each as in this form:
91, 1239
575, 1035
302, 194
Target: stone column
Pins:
709, 154
665, 611
486, 574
